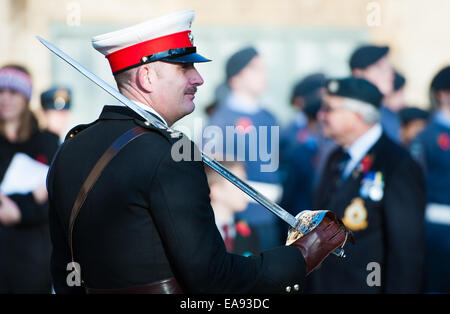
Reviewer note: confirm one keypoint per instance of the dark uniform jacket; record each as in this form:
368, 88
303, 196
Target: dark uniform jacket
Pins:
149, 218
388, 226
25, 247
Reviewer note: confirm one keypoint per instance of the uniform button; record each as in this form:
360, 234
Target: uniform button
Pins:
288, 289
147, 123
296, 287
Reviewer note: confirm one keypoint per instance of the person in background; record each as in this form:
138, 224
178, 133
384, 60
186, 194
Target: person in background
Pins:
246, 75
24, 236
413, 121
300, 144
56, 103
396, 101
220, 94
377, 190
432, 149
226, 201
371, 63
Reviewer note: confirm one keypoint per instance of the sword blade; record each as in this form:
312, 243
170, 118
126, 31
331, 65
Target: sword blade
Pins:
246, 188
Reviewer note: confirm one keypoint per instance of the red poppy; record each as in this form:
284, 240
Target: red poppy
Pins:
302, 136
366, 164
42, 159
243, 125
444, 141
243, 229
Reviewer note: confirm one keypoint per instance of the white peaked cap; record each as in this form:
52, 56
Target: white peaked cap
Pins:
167, 38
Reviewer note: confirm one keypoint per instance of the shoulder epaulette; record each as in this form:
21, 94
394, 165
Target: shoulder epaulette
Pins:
77, 129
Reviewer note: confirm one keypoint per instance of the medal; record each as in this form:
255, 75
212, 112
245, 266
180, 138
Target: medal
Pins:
376, 193
376, 190
372, 186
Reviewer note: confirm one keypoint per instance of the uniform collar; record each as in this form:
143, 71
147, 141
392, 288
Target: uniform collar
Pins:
442, 119
122, 112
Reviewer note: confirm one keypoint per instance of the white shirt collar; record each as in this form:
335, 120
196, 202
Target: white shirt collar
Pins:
240, 104
151, 110
361, 146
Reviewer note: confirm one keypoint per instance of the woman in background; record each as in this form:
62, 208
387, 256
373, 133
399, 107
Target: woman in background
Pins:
24, 236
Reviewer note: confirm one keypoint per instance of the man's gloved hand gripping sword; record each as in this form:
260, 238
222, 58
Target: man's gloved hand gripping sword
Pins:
258, 197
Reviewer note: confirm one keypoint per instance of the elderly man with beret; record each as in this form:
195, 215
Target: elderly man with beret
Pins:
377, 189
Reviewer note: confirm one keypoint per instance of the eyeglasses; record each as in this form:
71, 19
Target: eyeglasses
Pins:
327, 109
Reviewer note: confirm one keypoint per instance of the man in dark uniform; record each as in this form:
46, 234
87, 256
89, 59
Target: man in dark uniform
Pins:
432, 150
147, 225
378, 191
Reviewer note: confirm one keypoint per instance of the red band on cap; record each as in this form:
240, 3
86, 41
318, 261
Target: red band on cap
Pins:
132, 55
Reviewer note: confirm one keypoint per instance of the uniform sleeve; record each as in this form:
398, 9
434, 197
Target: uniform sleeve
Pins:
60, 256
180, 207
405, 238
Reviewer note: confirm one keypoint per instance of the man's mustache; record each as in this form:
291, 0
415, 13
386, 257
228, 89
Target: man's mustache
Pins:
191, 90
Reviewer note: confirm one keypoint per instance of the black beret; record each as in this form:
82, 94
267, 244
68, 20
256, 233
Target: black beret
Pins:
442, 79
311, 110
365, 56
58, 98
356, 88
309, 84
399, 81
239, 60
409, 114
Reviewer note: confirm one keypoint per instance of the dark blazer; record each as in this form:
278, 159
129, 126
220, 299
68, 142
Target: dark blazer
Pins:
149, 218
388, 227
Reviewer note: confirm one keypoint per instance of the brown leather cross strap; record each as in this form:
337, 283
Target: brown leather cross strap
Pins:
112, 151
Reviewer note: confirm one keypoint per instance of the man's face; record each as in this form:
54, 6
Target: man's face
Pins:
337, 121
381, 74
58, 121
409, 131
12, 104
254, 76
174, 89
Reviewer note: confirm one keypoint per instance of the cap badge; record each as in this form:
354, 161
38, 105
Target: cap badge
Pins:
191, 38
60, 98
355, 216
333, 86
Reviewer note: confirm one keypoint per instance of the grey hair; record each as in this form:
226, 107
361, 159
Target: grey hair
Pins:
369, 113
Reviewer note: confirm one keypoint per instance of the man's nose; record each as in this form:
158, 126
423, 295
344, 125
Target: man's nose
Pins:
196, 78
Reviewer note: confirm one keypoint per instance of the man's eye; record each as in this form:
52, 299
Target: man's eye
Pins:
187, 66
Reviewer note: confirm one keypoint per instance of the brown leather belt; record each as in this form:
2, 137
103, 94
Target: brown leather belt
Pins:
166, 286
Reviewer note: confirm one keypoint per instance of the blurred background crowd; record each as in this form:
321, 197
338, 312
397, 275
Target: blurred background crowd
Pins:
294, 64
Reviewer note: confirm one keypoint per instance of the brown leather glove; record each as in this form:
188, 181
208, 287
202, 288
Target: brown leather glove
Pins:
318, 241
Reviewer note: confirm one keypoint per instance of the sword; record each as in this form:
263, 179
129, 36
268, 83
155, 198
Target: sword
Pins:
224, 172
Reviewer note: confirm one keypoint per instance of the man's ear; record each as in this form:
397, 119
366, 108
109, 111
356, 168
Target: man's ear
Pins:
146, 77
443, 97
358, 72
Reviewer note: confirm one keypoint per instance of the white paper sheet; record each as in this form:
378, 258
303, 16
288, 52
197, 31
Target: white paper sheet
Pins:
23, 175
